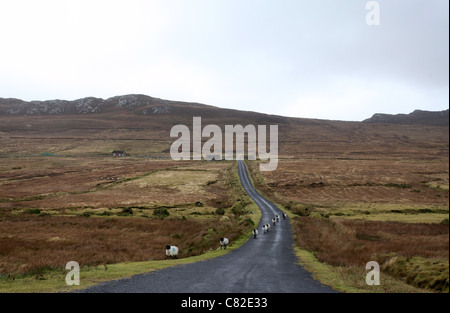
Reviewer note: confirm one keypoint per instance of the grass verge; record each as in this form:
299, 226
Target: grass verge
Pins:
350, 279
54, 281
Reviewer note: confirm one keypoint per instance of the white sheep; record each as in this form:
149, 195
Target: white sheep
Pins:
255, 233
171, 251
284, 215
264, 228
224, 243
277, 217
274, 220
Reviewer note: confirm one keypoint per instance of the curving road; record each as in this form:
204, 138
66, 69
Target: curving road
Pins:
266, 264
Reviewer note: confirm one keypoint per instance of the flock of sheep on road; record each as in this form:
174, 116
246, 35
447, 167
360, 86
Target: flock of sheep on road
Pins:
266, 227
172, 251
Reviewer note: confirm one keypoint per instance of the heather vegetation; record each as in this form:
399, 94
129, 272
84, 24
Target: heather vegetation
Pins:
355, 192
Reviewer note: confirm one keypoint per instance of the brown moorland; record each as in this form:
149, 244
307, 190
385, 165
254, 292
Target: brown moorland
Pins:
380, 188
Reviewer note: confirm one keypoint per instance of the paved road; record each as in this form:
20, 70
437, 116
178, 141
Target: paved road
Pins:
265, 264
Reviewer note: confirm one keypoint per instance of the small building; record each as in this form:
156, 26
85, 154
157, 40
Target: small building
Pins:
119, 153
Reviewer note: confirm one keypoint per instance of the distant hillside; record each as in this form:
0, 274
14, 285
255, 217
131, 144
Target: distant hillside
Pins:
141, 125
89, 105
417, 117
136, 105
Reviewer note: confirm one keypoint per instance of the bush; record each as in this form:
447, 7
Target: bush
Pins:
220, 211
248, 222
161, 212
402, 186
33, 211
127, 211
237, 209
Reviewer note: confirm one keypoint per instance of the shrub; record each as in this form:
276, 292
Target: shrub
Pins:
220, 211
161, 212
33, 211
402, 186
237, 209
248, 222
127, 211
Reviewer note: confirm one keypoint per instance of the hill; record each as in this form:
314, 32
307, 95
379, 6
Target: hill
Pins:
141, 125
418, 117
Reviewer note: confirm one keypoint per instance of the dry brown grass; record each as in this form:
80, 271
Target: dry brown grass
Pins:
378, 180
356, 242
62, 183
32, 176
66, 191
31, 244
415, 253
325, 166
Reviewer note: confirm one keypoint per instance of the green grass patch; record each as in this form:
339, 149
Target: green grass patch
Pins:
438, 186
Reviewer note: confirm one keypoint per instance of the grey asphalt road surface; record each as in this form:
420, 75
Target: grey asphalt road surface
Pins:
266, 264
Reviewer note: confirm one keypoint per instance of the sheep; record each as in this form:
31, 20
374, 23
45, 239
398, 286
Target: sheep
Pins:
171, 251
255, 233
268, 227
277, 217
274, 220
223, 243
284, 215
264, 228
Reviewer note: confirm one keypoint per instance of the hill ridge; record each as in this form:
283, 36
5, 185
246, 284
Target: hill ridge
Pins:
87, 105
146, 105
421, 117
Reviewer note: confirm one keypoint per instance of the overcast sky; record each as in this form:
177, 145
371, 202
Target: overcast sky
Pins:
316, 59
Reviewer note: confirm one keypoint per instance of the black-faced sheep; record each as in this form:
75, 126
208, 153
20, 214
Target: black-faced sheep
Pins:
255, 233
284, 215
277, 217
171, 251
223, 243
274, 220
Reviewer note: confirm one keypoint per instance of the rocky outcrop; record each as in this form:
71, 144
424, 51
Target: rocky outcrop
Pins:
90, 105
418, 117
